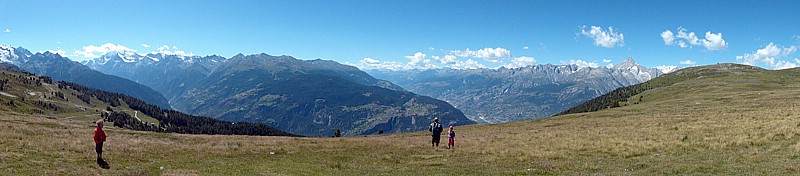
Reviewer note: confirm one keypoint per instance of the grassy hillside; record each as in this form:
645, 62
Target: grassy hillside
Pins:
25, 93
731, 122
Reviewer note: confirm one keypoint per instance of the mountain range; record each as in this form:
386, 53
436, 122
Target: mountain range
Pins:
307, 97
512, 94
62, 68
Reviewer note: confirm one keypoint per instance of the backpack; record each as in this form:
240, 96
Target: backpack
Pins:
436, 128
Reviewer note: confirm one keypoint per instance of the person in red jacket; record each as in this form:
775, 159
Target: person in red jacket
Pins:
99, 138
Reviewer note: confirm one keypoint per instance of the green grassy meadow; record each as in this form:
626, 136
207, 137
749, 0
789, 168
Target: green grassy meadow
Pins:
738, 123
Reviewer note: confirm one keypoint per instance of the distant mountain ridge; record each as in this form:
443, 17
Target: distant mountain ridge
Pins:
169, 74
511, 94
308, 97
62, 68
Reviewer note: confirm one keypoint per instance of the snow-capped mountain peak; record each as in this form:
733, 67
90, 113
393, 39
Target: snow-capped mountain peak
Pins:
627, 64
667, 68
7, 54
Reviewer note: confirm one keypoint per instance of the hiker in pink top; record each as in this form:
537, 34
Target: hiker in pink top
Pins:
451, 136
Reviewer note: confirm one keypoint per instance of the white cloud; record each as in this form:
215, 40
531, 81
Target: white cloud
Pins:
418, 60
688, 62
796, 37
145, 46
370, 63
91, 51
606, 60
447, 59
668, 37
494, 55
431, 48
525, 47
520, 62
784, 65
604, 39
769, 55
7, 30
714, 41
582, 63
469, 64
367, 60
173, 51
686, 39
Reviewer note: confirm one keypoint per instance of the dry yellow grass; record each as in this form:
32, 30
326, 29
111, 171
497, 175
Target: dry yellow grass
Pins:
732, 125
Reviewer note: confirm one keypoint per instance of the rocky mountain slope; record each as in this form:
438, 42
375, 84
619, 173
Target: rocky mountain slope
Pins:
24, 93
309, 97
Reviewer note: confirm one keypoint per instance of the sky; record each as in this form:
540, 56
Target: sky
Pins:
396, 34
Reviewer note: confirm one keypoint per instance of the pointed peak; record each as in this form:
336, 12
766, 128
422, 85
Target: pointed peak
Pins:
629, 60
628, 63
238, 55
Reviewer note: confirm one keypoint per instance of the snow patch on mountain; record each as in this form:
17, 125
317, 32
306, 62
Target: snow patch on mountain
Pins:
667, 68
7, 54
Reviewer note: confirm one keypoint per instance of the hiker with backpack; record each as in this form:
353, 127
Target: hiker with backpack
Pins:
436, 129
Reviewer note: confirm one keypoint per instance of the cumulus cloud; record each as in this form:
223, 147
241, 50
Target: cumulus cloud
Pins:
520, 62
494, 55
525, 47
606, 39
784, 65
796, 37
7, 30
145, 45
418, 60
581, 63
687, 62
447, 59
431, 48
468, 64
714, 41
92, 51
689, 37
686, 39
370, 63
769, 55
668, 37
171, 51
606, 60
367, 60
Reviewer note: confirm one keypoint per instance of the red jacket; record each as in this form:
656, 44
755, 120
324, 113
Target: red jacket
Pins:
99, 135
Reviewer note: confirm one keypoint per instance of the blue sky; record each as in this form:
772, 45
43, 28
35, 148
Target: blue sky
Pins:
418, 34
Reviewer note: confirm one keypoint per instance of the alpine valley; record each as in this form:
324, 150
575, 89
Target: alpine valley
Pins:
307, 97
512, 94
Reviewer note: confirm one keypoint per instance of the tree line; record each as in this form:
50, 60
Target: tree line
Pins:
619, 95
169, 120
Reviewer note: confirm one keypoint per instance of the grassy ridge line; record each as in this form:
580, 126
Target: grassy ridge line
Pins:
623, 94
